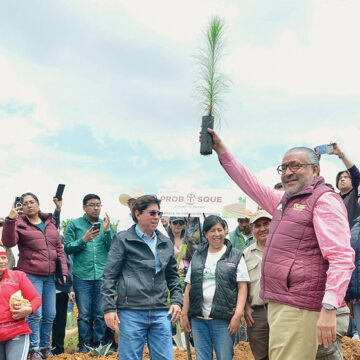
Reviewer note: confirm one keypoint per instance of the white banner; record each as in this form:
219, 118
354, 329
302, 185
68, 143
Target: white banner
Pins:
219, 202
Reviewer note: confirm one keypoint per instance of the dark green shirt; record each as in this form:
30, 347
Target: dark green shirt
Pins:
41, 226
89, 258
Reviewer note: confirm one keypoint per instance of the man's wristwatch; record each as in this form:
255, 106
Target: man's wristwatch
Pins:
328, 306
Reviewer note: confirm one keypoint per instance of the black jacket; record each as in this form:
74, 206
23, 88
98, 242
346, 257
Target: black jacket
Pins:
131, 267
353, 291
226, 291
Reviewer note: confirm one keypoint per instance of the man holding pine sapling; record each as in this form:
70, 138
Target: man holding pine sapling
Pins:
308, 260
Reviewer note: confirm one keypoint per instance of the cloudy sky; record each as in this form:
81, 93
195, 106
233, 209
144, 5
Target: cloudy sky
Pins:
99, 94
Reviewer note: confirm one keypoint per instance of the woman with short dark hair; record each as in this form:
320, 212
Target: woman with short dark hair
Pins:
215, 293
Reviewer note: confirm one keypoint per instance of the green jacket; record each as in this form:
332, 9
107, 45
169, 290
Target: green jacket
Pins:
239, 241
89, 258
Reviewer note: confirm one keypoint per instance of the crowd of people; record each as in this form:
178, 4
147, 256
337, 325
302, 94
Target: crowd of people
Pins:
288, 271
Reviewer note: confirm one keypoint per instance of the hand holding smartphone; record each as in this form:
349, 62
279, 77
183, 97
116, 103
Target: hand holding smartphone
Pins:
324, 149
96, 226
93, 232
60, 191
18, 201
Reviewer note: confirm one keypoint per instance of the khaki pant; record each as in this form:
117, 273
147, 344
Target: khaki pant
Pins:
258, 333
292, 332
334, 351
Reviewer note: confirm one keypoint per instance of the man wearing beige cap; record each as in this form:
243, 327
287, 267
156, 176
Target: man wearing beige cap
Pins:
129, 200
256, 308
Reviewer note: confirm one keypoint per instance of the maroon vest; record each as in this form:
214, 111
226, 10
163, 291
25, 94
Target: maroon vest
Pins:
293, 268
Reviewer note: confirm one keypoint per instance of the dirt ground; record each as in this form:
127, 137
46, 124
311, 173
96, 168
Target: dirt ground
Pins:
351, 351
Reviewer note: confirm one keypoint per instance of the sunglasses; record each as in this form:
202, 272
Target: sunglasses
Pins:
154, 213
178, 222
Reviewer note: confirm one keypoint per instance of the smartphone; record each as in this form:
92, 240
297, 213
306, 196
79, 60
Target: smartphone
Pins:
59, 191
324, 149
96, 226
18, 201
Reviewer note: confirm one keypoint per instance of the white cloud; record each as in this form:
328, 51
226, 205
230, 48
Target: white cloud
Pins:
138, 161
184, 182
181, 22
325, 63
318, 57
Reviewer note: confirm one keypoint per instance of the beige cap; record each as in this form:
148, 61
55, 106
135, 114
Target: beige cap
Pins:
258, 215
134, 194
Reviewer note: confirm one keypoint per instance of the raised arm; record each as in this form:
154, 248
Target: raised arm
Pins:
353, 170
10, 236
337, 151
56, 214
265, 196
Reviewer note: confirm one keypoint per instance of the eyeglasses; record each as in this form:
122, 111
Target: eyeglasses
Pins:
153, 213
178, 222
344, 177
30, 202
94, 205
293, 166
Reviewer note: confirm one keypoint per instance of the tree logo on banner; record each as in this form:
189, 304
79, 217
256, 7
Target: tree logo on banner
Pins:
190, 199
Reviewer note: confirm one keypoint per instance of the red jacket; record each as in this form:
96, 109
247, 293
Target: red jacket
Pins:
11, 282
37, 250
293, 268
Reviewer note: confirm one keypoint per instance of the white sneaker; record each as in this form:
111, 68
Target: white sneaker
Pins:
356, 337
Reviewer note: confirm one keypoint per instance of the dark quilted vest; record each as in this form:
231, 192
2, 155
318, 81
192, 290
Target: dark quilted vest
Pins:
225, 297
293, 268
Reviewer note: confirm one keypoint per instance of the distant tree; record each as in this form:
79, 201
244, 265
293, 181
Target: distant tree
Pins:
115, 226
64, 225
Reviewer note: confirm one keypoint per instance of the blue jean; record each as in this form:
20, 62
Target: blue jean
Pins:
42, 320
209, 334
91, 323
136, 326
356, 308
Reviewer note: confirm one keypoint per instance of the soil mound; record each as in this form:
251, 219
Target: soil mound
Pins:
351, 351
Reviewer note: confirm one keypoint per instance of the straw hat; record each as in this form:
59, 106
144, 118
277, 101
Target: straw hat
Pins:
134, 194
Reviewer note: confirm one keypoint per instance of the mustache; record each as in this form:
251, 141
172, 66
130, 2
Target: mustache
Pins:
291, 177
